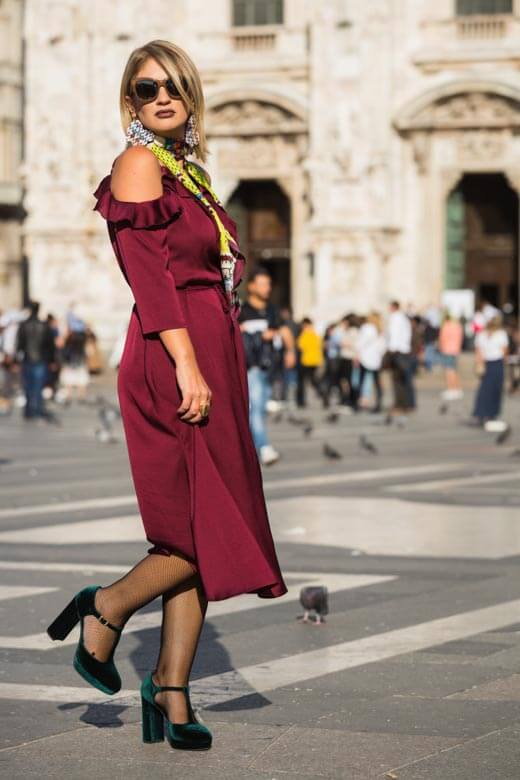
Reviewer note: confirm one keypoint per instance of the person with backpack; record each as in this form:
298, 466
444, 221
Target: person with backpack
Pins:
36, 350
261, 327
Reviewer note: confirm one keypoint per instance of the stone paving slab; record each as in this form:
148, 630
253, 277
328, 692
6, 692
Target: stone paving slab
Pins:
494, 756
239, 752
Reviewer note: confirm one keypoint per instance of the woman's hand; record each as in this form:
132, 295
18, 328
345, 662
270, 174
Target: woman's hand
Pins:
195, 391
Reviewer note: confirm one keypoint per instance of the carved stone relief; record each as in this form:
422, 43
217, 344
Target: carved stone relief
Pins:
266, 154
252, 117
473, 109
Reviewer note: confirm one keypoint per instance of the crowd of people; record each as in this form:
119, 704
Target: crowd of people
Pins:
41, 359
341, 363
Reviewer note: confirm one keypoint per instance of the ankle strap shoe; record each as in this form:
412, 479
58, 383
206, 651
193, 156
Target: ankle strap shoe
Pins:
103, 675
192, 735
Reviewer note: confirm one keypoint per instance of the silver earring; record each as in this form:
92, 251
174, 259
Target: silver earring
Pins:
191, 135
137, 134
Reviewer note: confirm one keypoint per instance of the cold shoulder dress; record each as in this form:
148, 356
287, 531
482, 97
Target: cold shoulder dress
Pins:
198, 486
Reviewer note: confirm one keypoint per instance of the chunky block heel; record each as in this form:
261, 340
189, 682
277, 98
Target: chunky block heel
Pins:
192, 735
153, 725
65, 622
103, 675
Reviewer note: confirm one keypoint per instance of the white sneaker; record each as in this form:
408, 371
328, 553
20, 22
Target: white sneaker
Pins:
452, 395
495, 426
268, 455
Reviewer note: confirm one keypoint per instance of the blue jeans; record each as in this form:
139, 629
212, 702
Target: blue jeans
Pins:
259, 394
34, 374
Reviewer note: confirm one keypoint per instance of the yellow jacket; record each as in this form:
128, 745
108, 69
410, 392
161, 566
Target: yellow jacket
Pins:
309, 344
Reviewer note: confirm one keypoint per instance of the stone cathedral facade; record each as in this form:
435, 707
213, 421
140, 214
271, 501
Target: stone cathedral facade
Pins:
367, 150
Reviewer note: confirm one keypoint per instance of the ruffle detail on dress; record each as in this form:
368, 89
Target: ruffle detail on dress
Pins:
148, 213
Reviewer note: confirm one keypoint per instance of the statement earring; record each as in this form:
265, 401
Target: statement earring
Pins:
191, 135
137, 134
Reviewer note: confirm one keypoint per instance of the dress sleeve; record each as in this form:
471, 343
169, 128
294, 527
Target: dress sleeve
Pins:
140, 231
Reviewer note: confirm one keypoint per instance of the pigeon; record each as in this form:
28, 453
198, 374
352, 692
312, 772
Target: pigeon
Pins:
295, 420
333, 417
389, 419
443, 408
367, 445
504, 436
331, 453
107, 414
314, 598
308, 428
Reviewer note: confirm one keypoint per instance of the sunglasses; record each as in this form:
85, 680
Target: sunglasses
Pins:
148, 89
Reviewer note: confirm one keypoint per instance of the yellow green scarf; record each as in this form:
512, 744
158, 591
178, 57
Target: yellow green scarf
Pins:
227, 258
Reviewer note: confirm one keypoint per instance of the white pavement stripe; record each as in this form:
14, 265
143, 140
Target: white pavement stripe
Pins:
147, 620
86, 568
69, 506
21, 591
446, 484
269, 675
371, 475
123, 528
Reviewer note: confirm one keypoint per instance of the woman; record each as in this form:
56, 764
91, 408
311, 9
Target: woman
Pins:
309, 343
182, 388
74, 375
451, 336
371, 347
491, 346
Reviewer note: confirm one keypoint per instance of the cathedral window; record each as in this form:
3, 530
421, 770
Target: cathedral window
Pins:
256, 12
483, 7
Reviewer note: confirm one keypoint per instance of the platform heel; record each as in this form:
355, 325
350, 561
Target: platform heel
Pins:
153, 723
192, 735
65, 622
103, 675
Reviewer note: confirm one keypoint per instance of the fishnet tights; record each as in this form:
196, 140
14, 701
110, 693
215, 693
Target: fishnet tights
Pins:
184, 609
152, 576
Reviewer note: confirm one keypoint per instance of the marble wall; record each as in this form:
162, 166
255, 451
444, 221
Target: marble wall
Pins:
365, 114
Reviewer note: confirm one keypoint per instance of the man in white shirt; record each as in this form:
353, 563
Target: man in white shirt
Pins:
399, 340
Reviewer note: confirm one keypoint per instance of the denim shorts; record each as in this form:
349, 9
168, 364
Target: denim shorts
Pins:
448, 361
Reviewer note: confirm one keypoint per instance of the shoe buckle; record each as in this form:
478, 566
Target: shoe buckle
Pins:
103, 620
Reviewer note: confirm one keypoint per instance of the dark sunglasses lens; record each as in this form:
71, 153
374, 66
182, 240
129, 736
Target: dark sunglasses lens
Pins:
146, 89
172, 89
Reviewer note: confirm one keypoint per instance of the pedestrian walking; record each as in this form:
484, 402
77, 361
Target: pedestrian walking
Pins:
182, 387
399, 341
349, 373
291, 357
311, 359
332, 354
74, 374
260, 323
36, 351
491, 346
451, 337
371, 347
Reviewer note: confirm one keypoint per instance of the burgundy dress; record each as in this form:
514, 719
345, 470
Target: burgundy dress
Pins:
198, 486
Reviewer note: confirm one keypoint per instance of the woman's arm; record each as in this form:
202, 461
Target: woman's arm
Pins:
137, 178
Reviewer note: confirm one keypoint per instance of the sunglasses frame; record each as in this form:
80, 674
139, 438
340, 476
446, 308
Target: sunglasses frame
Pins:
158, 84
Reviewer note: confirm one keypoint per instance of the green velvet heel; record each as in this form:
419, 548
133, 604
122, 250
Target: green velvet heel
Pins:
192, 735
103, 675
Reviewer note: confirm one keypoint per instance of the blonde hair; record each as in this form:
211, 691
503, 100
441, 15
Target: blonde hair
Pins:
495, 323
375, 319
178, 65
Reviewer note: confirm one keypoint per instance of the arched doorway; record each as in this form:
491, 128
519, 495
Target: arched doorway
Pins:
262, 212
482, 238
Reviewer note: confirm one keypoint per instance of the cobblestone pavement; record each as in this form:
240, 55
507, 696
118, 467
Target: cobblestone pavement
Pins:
415, 673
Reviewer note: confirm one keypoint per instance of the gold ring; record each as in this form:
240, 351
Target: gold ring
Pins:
204, 410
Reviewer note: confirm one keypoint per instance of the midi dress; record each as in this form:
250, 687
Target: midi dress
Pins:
198, 485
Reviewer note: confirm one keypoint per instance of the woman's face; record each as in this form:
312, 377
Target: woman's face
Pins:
165, 115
